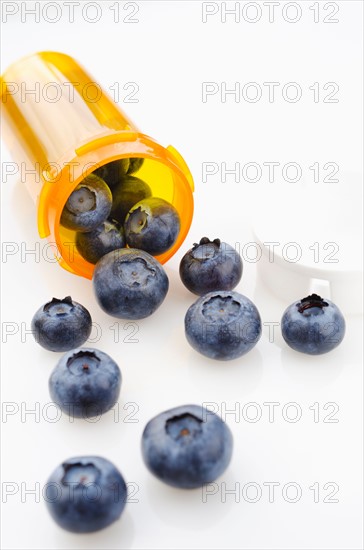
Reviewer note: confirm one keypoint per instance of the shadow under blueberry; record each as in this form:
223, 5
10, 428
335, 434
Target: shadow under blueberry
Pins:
194, 509
118, 535
180, 293
312, 370
94, 421
244, 373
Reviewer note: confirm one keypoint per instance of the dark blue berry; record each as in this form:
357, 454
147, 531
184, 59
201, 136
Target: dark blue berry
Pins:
105, 238
113, 172
85, 494
61, 325
85, 383
313, 325
88, 205
128, 192
223, 325
152, 225
210, 265
187, 446
135, 164
129, 283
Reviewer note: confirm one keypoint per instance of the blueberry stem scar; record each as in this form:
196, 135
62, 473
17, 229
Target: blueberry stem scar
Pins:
183, 425
314, 300
54, 301
82, 354
69, 467
206, 240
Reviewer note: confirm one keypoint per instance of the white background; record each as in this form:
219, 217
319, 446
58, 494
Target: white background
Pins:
169, 53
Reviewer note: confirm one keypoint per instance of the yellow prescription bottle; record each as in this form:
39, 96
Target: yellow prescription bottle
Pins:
59, 126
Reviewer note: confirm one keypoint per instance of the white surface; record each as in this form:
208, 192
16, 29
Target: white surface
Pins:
169, 53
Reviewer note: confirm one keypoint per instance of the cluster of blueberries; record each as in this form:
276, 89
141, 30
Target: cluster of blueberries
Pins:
111, 208
187, 446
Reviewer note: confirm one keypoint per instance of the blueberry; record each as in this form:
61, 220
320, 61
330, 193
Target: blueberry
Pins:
210, 265
85, 494
313, 325
105, 238
129, 191
88, 205
187, 446
113, 172
223, 325
85, 383
153, 225
61, 325
135, 165
129, 283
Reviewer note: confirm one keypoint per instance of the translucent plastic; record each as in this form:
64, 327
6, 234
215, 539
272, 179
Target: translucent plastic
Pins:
67, 128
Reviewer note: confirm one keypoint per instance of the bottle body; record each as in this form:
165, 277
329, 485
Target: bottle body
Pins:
60, 126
